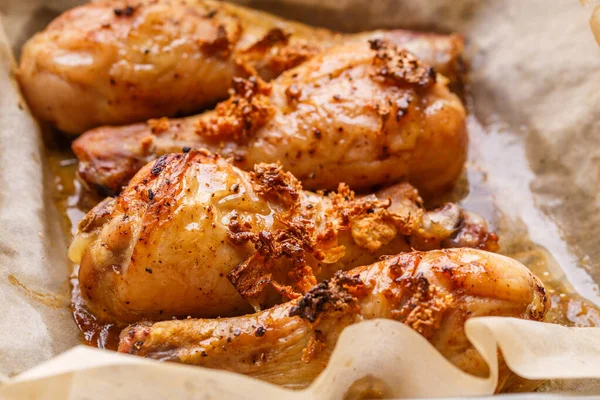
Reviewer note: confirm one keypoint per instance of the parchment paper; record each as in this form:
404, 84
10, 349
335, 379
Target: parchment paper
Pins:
35, 321
94, 374
535, 137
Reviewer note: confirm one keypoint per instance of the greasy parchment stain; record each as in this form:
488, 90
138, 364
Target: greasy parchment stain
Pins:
49, 300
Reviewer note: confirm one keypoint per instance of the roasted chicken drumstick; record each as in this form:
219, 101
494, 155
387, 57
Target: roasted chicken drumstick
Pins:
194, 235
124, 61
364, 114
432, 292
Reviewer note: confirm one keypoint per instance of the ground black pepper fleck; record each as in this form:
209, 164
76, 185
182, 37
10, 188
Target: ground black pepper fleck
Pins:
159, 165
127, 11
260, 331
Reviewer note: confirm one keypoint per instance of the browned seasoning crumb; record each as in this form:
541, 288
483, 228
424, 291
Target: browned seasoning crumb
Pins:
293, 242
248, 109
146, 145
331, 295
271, 180
158, 125
260, 331
251, 277
159, 165
400, 67
127, 11
148, 270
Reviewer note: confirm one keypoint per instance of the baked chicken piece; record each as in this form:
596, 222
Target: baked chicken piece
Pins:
364, 114
124, 61
432, 292
193, 235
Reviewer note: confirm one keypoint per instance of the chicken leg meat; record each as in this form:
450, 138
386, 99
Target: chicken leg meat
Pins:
124, 61
193, 235
364, 113
432, 292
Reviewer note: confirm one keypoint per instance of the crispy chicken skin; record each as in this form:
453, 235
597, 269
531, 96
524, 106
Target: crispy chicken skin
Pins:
433, 292
365, 113
193, 235
124, 61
